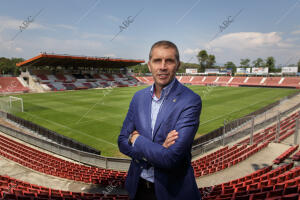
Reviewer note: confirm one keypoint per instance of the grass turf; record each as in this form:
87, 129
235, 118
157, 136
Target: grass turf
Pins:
94, 117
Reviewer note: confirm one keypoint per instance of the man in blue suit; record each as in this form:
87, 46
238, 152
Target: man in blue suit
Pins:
159, 130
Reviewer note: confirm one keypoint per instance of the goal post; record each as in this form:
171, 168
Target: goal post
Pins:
16, 99
11, 104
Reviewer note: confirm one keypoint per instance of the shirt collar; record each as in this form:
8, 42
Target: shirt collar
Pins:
165, 91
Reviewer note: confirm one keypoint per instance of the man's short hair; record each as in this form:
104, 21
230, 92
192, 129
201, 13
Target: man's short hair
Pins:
166, 44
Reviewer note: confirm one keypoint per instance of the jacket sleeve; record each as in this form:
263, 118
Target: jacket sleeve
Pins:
127, 128
186, 126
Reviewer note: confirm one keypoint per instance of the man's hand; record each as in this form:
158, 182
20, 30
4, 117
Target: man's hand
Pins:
170, 140
135, 134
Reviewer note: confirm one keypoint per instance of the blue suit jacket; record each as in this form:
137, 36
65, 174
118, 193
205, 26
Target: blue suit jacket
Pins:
173, 174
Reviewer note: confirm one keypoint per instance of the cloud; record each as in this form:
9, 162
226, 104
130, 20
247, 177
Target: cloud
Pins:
189, 51
18, 49
96, 36
110, 55
69, 45
65, 26
297, 32
234, 46
249, 40
113, 18
9, 47
7, 23
243, 41
26, 48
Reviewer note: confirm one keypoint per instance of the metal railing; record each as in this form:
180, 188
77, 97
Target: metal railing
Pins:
251, 125
52, 135
202, 140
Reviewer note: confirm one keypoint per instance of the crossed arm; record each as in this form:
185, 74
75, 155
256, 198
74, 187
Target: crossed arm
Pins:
175, 147
170, 140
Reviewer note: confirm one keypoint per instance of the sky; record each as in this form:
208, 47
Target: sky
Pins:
231, 30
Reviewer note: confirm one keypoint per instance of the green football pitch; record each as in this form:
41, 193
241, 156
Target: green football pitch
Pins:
94, 117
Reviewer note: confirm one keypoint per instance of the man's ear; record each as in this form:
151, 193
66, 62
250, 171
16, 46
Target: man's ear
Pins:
149, 67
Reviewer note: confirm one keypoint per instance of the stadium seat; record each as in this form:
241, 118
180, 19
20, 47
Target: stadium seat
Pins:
11, 85
260, 195
35, 192
290, 190
294, 196
243, 197
34, 159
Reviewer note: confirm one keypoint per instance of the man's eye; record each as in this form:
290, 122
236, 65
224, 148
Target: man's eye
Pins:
169, 61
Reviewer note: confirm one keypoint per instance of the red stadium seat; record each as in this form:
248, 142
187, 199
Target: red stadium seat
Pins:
275, 193
294, 196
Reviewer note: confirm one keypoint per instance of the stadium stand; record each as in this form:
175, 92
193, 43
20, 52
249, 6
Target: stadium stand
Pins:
296, 156
217, 161
209, 80
11, 188
198, 80
11, 85
253, 80
269, 134
272, 81
282, 182
224, 158
149, 79
286, 154
237, 80
290, 82
184, 79
63, 82
223, 80
41, 79
51, 165
227, 157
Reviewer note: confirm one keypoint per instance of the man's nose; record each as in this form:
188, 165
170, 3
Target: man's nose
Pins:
163, 65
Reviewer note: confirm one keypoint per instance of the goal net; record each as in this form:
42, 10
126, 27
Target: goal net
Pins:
11, 104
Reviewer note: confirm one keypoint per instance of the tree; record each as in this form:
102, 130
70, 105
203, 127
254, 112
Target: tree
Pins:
245, 62
184, 66
4, 65
231, 65
270, 63
211, 60
258, 63
202, 58
140, 68
8, 66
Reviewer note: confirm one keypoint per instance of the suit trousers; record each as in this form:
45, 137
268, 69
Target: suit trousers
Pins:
145, 190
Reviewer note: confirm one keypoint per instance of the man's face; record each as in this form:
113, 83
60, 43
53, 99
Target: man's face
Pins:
163, 65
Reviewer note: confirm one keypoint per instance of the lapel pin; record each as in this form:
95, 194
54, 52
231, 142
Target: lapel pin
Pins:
174, 100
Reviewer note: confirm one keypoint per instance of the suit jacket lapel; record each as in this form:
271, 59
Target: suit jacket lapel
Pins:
167, 106
148, 103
